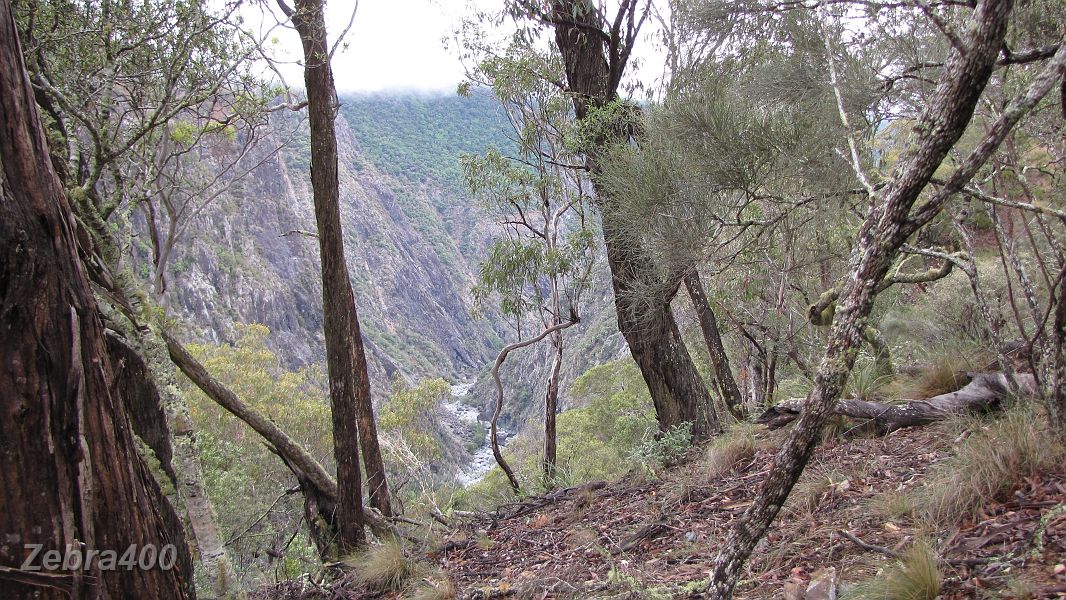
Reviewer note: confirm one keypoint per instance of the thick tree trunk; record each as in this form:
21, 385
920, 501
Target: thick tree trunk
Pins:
723, 373
888, 224
71, 474
985, 392
551, 407
677, 391
161, 415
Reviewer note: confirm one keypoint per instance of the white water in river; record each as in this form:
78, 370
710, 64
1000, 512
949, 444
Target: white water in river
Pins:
481, 461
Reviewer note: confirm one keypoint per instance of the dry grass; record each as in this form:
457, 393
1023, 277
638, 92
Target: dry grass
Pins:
944, 375
383, 567
729, 449
892, 504
996, 459
915, 576
443, 589
809, 492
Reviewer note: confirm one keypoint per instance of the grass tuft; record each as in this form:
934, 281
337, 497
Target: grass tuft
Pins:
892, 504
383, 567
729, 449
944, 375
436, 590
987, 466
915, 576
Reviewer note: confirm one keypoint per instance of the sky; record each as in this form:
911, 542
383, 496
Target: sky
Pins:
394, 45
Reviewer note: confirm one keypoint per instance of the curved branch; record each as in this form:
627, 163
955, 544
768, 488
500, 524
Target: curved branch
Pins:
499, 394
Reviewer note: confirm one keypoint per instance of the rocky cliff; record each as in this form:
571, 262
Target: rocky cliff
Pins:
412, 243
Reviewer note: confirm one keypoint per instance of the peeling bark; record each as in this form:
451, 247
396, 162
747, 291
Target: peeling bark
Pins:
70, 473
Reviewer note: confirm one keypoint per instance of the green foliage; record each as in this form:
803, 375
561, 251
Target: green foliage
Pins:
243, 479
419, 138
411, 413
596, 442
665, 450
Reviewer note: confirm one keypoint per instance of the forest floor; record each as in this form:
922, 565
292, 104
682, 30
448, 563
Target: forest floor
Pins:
657, 537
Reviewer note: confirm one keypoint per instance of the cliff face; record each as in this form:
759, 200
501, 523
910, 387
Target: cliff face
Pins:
412, 248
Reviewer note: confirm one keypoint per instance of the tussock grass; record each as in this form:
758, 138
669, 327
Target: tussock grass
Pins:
915, 576
988, 465
944, 375
809, 491
866, 383
436, 590
729, 449
383, 567
892, 504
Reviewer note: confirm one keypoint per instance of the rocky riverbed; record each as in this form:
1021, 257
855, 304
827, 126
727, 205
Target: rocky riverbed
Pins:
466, 423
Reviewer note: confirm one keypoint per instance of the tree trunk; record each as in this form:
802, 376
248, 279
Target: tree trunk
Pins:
888, 224
551, 407
72, 477
677, 391
353, 415
493, 428
161, 415
1057, 400
982, 394
723, 373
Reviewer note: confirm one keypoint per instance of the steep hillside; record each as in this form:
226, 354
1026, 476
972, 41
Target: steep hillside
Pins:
413, 241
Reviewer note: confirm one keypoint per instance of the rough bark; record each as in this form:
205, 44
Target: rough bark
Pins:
353, 416
887, 226
594, 60
984, 393
723, 373
1057, 399
70, 474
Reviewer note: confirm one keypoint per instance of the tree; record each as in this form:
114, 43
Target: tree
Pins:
890, 221
542, 266
141, 103
595, 51
353, 412
75, 478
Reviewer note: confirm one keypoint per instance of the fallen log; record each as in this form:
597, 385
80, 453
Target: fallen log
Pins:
984, 392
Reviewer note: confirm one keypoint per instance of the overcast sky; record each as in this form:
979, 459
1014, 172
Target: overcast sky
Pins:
393, 45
